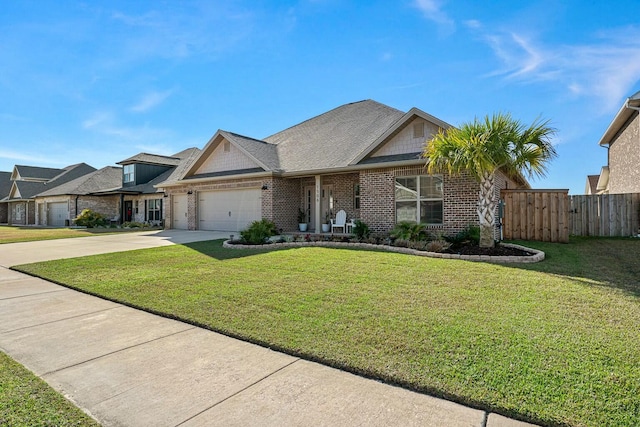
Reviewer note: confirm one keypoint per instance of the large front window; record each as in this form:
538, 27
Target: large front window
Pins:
154, 207
419, 199
128, 173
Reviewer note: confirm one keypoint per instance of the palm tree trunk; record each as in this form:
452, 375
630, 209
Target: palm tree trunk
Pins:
487, 210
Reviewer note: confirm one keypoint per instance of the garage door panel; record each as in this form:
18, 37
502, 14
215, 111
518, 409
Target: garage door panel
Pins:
57, 214
228, 210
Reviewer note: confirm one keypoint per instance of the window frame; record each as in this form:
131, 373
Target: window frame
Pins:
128, 174
419, 198
154, 208
356, 196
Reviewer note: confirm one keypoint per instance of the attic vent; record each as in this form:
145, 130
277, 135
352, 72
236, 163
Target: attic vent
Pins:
418, 130
227, 146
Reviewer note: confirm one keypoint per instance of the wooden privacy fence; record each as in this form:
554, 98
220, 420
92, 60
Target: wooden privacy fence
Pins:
553, 215
605, 215
536, 215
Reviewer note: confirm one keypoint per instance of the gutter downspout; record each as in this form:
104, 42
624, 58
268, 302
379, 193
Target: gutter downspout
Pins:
77, 195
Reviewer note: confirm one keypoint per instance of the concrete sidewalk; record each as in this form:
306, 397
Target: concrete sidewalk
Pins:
130, 368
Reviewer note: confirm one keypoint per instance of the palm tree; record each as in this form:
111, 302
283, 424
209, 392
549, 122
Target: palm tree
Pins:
481, 148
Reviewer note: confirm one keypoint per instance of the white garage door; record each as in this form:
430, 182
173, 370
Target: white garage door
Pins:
57, 213
179, 212
228, 210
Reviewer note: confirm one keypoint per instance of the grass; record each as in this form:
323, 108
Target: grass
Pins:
26, 400
13, 234
554, 343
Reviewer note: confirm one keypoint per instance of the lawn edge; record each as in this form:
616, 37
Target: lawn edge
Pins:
430, 391
537, 256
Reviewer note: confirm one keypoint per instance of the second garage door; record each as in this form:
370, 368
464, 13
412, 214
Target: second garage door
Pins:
228, 210
57, 213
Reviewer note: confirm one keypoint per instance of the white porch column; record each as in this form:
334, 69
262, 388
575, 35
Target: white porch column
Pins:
318, 210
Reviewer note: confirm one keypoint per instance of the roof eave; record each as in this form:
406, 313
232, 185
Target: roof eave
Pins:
629, 107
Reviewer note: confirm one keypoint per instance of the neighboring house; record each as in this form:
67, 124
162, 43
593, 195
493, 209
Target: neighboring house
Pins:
60, 205
5, 188
140, 198
362, 157
28, 181
622, 138
597, 184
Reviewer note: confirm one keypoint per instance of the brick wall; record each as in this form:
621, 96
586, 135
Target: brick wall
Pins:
109, 206
281, 201
624, 159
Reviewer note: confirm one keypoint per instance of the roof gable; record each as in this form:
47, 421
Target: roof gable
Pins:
398, 139
243, 153
34, 173
627, 111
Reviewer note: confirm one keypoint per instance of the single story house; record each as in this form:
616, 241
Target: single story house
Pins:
28, 181
362, 157
58, 206
622, 140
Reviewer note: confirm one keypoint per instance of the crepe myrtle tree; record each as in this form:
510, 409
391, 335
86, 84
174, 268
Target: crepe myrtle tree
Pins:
482, 147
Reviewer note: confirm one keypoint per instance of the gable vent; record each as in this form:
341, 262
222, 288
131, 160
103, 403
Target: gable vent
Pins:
418, 130
227, 146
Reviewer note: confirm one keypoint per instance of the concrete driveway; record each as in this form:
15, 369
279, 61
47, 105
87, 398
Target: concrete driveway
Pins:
127, 367
45, 250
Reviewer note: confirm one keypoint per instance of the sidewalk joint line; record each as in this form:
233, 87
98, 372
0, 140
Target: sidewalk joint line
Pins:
485, 419
238, 392
117, 351
34, 294
61, 320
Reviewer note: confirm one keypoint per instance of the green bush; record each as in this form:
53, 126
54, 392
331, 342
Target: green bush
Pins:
470, 235
409, 230
361, 230
258, 232
90, 219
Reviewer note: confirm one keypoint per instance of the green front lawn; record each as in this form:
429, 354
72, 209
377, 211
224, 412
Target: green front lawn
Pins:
554, 343
13, 234
26, 400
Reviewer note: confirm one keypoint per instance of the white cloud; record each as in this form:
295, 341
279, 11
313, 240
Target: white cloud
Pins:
107, 124
605, 70
431, 9
150, 100
30, 158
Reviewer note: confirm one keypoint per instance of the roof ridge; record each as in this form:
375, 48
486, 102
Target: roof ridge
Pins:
330, 111
246, 137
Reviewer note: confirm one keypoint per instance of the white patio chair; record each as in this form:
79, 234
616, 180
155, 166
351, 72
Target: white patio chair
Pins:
340, 221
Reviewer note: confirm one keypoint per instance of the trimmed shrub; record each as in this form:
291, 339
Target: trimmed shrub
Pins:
361, 230
409, 230
258, 232
90, 219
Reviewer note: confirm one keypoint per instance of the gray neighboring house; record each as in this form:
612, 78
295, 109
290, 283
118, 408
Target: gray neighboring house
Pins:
5, 187
29, 181
141, 198
622, 140
58, 206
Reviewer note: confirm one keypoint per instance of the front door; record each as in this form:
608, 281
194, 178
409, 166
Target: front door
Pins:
326, 204
128, 210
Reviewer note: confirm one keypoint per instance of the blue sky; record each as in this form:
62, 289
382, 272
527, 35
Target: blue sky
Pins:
98, 82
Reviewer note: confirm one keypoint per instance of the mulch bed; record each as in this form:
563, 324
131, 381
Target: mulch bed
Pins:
498, 250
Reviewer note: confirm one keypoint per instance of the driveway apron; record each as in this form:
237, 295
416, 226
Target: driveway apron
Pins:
127, 367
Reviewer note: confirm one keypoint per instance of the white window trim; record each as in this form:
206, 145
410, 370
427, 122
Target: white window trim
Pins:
421, 199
